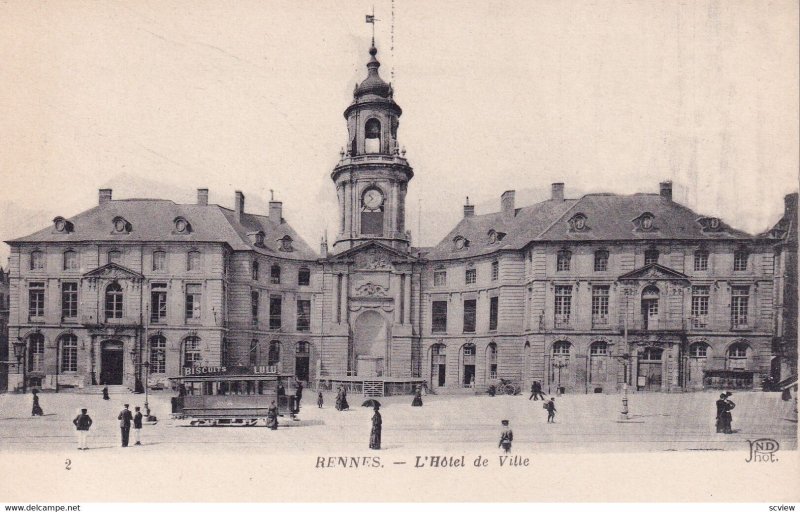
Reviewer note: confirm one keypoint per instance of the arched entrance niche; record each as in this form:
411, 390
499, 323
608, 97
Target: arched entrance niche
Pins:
112, 360
369, 344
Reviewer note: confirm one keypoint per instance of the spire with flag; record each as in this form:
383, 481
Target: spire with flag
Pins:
372, 19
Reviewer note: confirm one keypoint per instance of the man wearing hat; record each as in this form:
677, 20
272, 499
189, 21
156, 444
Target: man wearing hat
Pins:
125, 417
82, 423
721, 407
729, 405
506, 436
137, 426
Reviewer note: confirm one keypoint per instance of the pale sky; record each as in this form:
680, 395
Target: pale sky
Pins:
158, 98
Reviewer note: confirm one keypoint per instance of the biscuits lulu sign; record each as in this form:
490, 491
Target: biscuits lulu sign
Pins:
230, 370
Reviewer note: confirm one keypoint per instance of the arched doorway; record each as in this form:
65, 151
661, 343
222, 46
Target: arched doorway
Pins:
369, 344
302, 356
468, 365
699, 353
598, 365
491, 361
650, 369
112, 360
438, 366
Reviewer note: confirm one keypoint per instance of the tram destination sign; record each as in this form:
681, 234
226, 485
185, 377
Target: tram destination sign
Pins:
191, 371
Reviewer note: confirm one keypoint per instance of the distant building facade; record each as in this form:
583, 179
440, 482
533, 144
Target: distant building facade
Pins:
5, 353
582, 295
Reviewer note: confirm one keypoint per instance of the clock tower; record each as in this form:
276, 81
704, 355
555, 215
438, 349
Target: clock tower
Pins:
372, 176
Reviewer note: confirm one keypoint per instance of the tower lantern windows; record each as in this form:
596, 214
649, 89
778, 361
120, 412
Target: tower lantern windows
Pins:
372, 136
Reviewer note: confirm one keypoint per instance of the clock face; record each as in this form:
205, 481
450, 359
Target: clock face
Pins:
373, 198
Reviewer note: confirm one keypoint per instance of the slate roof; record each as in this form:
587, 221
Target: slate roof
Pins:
609, 217
152, 220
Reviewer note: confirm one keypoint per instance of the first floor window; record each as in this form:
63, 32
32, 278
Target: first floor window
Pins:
600, 261
700, 296
274, 312
494, 311
69, 353
159, 261
254, 298
470, 276
274, 355
563, 261
440, 278
158, 354
740, 299
600, 305
439, 316
563, 305
303, 277
700, 261
469, 315
193, 261
36, 300
253, 352
740, 261
495, 270
158, 302
37, 260
113, 301
70, 260
193, 301
303, 315
36, 348
491, 360
69, 300
191, 351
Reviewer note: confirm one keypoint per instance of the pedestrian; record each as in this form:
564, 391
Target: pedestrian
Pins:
377, 425
82, 423
105, 393
550, 405
536, 391
272, 416
298, 395
721, 407
343, 405
36, 411
137, 427
125, 417
417, 402
506, 437
729, 405
319, 400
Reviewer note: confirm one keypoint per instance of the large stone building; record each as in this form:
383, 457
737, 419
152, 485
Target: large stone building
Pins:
581, 294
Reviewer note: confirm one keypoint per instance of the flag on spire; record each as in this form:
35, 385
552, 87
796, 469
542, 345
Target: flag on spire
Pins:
370, 18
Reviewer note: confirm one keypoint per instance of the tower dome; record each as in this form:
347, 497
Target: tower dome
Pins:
373, 84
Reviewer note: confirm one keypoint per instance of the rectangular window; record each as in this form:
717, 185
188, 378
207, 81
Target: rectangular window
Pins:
470, 276
740, 261
193, 261
36, 300
469, 315
158, 302
495, 270
254, 298
69, 300
275, 274
303, 315
70, 260
194, 297
159, 261
494, 310
253, 352
563, 305
601, 261
439, 316
740, 298
650, 257
274, 312
303, 277
700, 261
440, 278
37, 260
563, 261
600, 305
700, 295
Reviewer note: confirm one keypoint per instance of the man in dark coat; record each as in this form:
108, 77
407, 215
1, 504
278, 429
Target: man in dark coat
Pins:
37, 410
82, 423
536, 391
417, 402
721, 408
272, 416
137, 427
125, 417
298, 395
729, 405
377, 426
105, 393
506, 437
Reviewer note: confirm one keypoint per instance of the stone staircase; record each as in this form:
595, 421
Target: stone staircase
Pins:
373, 388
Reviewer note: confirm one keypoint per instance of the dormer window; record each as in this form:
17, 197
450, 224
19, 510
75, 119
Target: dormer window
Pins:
712, 224
62, 225
286, 244
460, 243
495, 236
121, 226
578, 222
257, 238
182, 225
647, 222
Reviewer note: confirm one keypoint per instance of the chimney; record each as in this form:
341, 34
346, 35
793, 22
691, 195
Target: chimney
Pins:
105, 195
323, 246
666, 190
202, 196
469, 209
507, 203
276, 211
790, 205
557, 192
239, 206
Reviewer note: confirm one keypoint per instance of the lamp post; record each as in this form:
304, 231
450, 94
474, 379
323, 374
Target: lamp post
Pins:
625, 358
560, 363
137, 370
146, 366
19, 352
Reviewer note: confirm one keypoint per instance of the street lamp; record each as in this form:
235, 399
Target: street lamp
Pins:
560, 363
146, 366
624, 358
19, 352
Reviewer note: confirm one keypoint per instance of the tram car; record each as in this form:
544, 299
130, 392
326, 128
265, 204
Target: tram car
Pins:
232, 396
